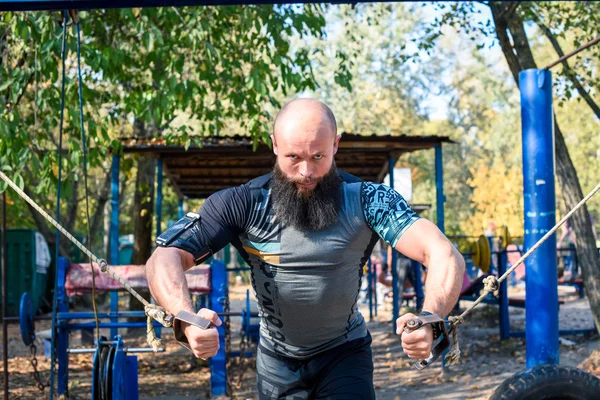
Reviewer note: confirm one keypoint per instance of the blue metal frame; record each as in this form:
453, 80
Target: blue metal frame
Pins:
159, 199
394, 261
114, 234
159, 196
218, 298
180, 209
540, 205
440, 198
62, 341
503, 297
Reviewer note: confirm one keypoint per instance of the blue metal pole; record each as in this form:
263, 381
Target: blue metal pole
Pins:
180, 211
394, 261
159, 197
114, 235
418, 285
62, 305
370, 288
218, 298
540, 204
503, 297
440, 199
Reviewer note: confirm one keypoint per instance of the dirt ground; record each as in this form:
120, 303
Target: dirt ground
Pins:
485, 360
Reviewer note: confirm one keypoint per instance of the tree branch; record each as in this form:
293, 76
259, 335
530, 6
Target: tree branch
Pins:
16, 103
569, 71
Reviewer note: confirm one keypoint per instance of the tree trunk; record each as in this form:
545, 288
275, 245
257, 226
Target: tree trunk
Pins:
519, 57
97, 218
143, 210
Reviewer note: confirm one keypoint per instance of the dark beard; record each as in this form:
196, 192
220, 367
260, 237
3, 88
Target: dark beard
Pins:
311, 210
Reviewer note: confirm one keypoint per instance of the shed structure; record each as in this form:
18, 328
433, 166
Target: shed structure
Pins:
226, 161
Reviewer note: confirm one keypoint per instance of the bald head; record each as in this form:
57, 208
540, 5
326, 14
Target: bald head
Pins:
305, 141
305, 115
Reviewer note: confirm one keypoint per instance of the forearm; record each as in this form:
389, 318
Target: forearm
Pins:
167, 282
445, 274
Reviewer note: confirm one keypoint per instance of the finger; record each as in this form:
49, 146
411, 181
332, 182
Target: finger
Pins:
409, 338
402, 321
210, 315
418, 355
422, 346
208, 352
205, 337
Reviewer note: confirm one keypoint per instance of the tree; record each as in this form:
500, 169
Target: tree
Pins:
141, 68
508, 26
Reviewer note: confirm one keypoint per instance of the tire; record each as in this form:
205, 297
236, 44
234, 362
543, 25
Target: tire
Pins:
549, 382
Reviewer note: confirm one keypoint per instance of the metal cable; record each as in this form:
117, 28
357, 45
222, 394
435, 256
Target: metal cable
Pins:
152, 310
491, 283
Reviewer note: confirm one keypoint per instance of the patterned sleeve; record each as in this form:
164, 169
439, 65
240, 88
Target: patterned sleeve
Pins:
386, 211
220, 219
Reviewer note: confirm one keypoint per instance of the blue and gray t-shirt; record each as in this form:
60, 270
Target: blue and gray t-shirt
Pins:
306, 283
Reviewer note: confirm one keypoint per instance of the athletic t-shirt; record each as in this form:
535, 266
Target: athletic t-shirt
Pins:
306, 283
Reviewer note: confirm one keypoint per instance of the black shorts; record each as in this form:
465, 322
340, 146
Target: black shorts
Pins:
342, 373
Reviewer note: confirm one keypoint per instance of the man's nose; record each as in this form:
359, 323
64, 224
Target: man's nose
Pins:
305, 169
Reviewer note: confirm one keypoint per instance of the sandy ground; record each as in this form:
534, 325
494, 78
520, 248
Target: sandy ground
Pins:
174, 375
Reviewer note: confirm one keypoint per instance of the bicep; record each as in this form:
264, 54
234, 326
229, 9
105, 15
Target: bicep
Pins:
421, 239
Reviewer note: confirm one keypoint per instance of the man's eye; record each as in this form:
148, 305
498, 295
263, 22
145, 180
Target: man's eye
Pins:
292, 156
318, 156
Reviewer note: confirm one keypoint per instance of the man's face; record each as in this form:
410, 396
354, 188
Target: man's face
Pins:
306, 187
305, 154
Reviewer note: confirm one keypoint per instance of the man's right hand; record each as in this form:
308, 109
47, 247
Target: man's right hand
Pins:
203, 342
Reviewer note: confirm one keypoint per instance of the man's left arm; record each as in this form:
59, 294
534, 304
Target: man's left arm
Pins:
425, 243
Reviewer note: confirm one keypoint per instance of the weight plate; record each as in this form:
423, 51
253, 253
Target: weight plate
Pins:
505, 237
26, 319
475, 253
484, 253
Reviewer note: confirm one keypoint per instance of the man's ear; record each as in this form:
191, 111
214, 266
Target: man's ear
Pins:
336, 143
275, 150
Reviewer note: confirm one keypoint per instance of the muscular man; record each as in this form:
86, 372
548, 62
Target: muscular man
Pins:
306, 230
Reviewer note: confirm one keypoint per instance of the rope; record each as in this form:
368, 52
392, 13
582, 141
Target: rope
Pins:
571, 54
85, 170
60, 130
491, 283
152, 311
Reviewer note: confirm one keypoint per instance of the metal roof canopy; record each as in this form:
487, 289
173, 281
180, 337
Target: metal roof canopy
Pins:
228, 161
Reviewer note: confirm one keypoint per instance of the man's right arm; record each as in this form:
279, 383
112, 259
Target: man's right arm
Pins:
165, 272
190, 241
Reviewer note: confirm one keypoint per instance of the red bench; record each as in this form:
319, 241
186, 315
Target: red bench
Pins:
79, 278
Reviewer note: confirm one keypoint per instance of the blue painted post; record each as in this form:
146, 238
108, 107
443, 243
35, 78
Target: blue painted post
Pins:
440, 199
394, 260
503, 297
159, 196
370, 288
374, 286
218, 298
62, 344
180, 212
418, 284
114, 236
541, 328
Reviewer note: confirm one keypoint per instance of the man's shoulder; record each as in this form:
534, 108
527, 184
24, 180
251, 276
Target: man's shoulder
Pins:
348, 178
262, 182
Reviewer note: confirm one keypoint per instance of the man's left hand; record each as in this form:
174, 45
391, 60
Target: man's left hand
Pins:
416, 344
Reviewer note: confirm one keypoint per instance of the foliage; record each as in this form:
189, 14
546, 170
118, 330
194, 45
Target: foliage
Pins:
143, 66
